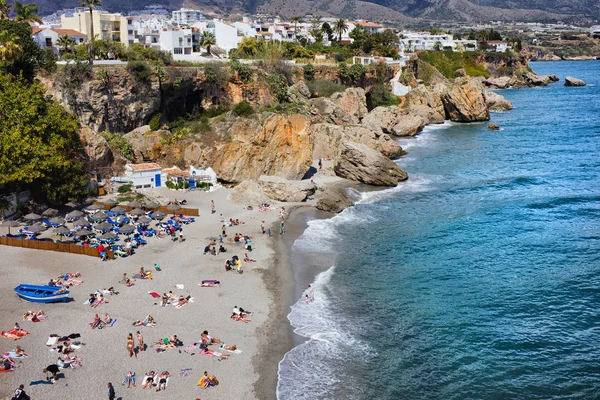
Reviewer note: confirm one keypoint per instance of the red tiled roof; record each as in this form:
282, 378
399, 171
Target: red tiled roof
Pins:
370, 24
143, 167
36, 30
68, 32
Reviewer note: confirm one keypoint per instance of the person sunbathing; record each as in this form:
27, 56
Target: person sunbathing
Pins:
164, 300
222, 249
124, 278
209, 352
17, 328
232, 347
6, 364
149, 379
19, 352
129, 282
248, 259
97, 323
107, 319
241, 317
207, 339
130, 379
162, 381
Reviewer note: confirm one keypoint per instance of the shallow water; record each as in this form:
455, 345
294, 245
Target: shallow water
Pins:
477, 278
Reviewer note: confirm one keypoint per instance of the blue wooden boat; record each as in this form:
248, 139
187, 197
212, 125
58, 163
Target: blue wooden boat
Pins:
41, 294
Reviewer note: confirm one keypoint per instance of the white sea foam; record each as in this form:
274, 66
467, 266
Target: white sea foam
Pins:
312, 369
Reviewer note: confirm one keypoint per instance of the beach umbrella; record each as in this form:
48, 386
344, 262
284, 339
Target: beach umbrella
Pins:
144, 220
82, 223
103, 226
137, 211
32, 216
62, 230
57, 220
95, 207
50, 212
83, 232
152, 204
89, 200
118, 210
134, 204
37, 228
127, 229
110, 202
9, 224
108, 236
99, 216
74, 213
72, 204
173, 207
158, 215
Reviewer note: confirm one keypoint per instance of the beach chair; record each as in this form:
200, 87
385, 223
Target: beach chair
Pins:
50, 224
120, 252
113, 222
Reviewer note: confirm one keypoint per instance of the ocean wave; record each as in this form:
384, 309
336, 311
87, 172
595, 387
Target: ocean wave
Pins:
313, 369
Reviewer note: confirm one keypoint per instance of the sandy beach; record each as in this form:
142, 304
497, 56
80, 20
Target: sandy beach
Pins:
260, 289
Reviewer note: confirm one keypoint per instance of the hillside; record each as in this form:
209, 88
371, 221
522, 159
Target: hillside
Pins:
400, 11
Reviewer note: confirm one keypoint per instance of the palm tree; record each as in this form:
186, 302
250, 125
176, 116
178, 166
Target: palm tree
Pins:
296, 20
26, 13
4, 9
340, 28
66, 42
91, 4
208, 39
316, 31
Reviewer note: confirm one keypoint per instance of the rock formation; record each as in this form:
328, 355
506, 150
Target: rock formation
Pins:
464, 101
496, 102
359, 163
334, 198
247, 192
493, 127
145, 143
394, 120
98, 153
502, 82
281, 189
570, 81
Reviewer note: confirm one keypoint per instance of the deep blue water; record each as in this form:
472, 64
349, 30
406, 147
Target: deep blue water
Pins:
479, 277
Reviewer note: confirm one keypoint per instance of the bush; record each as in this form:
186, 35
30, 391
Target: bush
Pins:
155, 121
215, 74
243, 71
140, 71
279, 86
120, 144
243, 109
324, 87
380, 95
170, 185
309, 72
125, 188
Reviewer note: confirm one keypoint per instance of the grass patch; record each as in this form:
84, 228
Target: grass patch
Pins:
447, 62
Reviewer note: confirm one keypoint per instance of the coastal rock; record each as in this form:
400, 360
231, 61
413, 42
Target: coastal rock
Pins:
334, 198
465, 102
423, 97
145, 143
502, 82
359, 163
353, 102
493, 127
281, 189
247, 192
98, 152
298, 92
408, 125
427, 114
325, 110
263, 144
533, 79
327, 139
496, 102
570, 81
553, 78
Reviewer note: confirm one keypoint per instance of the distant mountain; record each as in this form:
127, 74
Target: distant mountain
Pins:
401, 11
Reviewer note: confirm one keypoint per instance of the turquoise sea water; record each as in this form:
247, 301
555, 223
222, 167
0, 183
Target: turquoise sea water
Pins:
479, 277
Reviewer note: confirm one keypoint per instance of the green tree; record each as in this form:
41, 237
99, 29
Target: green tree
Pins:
29, 57
316, 31
296, 20
207, 39
340, 28
40, 148
279, 86
9, 46
4, 9
326, 28
26, 13
67, 43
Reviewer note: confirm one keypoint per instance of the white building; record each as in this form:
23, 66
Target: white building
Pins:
176, 41
187, 17
147, 175
47, 38
371, 26
227, 36
207, 175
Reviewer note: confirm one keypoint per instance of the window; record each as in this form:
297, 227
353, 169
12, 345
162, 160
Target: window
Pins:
177, 50
48, 42
130, 32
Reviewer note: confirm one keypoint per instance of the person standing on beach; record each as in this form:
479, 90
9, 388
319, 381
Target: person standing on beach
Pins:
20, 394
111, 392
262, 227
320, 163
212, 207
224, 231
140, 340
53, 369
269, 232
282, 228
130, 346
311, 293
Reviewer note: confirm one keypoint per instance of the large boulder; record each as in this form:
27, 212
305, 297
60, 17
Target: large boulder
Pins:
502, 82
96, 148
570, 81
408, 125
496, 102
247, 192
326, 110
429, 97
395, 121
464, 101
359, 163
353, 102
299, 92
144, 143
328, 137
334, 198
263, 144
281, 189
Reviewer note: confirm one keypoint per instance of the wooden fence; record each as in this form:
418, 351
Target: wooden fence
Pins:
192, 212
53, 246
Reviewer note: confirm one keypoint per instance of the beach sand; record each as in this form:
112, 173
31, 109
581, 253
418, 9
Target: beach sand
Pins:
262, 288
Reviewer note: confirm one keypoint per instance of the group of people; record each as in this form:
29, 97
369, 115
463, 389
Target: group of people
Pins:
234, 264
101, 322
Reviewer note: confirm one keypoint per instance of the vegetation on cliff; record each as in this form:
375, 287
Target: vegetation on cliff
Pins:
40, 148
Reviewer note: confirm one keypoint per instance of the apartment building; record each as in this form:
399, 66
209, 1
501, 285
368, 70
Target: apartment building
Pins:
112, 26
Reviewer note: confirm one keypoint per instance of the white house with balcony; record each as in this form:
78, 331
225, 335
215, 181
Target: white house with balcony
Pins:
47, 38
177, 42
227, 36
187, 17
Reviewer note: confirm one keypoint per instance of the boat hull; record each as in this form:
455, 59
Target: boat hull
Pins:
41, 294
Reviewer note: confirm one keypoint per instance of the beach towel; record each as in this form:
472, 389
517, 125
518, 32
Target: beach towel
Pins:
12, 354
155, 295
185, 372
179, 286
133, 378
52, 340
14, 335
110, 325
236, 351
192, 348
99, 302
